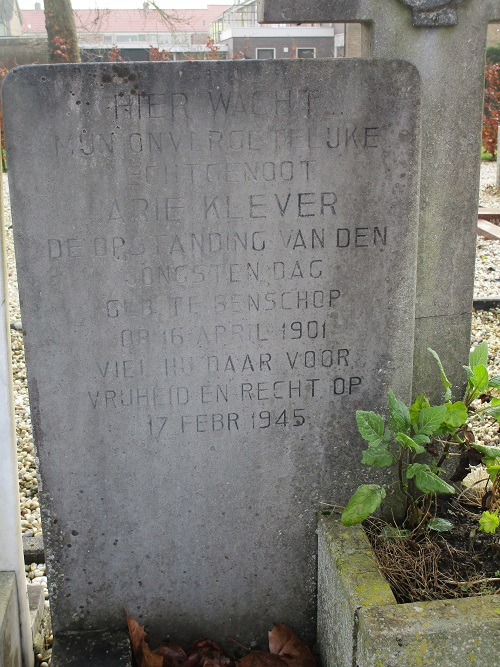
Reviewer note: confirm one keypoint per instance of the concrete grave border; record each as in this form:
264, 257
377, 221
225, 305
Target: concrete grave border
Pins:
16, 637
360, 622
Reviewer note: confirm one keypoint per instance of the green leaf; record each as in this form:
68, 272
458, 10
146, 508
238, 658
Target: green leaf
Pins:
480, 380
489, 522
427, 481
494, 409
387, 435
380, 457
444, 379
440, 525
399, 415
469, 372
495, 382
370, 425
420, 403
493, 471
493, 412
408, 443
364, 502
456, 414
430, 419
479, 355
487, 450
421, 439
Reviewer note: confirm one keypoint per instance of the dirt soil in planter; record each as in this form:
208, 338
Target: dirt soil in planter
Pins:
437, 566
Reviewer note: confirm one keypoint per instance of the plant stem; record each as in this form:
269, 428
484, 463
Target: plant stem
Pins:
444, 453
402, 485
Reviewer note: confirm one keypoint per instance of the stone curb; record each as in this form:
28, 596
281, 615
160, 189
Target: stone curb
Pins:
10, 639
490, 214
36, 600
348, 580
488, 230
442, 632
33, 550
360, 624
486, 303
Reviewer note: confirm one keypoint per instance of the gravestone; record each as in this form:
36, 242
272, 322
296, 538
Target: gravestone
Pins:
217, 267
446, 41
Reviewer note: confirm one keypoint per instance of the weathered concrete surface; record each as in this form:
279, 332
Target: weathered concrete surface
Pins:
36, 600
10, 638
348, 580
40, 618
33, 549
434, 13
103, 649
216, 265
452, 93
445, 633
359, 622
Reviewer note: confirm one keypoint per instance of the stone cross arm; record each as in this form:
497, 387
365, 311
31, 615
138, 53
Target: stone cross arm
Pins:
425, 13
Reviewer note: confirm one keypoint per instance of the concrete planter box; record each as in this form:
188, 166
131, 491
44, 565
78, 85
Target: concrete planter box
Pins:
10, 636
361, 624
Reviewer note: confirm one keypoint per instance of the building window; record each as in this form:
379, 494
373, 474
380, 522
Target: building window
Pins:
265, 54
306, 53
126, 38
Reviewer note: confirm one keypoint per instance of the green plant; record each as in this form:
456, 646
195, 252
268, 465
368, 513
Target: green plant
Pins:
417, 440
485, 155
490, 520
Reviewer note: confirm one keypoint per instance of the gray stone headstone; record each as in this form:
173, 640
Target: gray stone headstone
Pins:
217, 267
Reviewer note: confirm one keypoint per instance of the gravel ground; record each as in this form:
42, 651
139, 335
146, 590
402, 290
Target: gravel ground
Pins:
486, 326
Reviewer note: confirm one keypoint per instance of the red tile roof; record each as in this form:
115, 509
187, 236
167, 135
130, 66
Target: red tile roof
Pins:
130, 20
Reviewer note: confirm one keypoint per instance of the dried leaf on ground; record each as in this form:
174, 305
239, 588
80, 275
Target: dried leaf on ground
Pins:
207, 653
262, 659
286, 650
173, 655
285, 643
143, 655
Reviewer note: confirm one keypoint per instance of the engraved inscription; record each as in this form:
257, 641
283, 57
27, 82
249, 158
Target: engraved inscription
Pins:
199, 258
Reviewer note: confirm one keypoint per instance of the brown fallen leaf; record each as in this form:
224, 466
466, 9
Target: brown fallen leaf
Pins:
262, 659
219, 661
143, 655
286, 650
285, 643
207, 653
173, 655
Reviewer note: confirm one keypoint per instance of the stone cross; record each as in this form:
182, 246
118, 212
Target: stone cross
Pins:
446, 41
